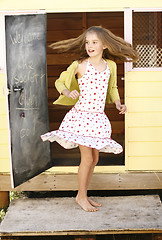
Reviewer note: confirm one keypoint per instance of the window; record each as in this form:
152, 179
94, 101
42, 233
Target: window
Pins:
147, 39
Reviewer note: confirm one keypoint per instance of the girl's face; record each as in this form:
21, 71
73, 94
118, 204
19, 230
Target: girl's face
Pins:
93, 45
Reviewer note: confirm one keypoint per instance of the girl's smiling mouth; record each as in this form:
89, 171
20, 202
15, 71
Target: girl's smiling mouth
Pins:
91, 51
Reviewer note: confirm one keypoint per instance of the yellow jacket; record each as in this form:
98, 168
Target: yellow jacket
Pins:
67, 80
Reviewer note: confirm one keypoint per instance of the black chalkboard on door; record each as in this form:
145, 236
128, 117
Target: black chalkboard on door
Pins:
28, 105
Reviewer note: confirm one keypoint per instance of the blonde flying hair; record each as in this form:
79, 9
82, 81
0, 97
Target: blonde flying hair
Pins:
116, 47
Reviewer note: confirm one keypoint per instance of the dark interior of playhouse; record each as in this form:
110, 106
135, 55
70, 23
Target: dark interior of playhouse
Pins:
61, 26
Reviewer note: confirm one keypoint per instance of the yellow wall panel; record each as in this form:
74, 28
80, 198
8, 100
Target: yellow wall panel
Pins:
145, 149
147, 76
2, 78
4, 151
3, 108
4, 165
3, 122
144, 104
147, 163
4, 137
144, 119
145, 134
143, 89
2, 92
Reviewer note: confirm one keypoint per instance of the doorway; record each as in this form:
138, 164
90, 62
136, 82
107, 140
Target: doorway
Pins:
61, 26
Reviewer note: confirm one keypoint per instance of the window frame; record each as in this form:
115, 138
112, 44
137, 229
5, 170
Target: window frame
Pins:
128, 35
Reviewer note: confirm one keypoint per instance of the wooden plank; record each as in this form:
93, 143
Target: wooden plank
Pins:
100, 181
65, 24
3, 107
55, 70
2, 95
63, 15
141, 89
106, 14
146, 119
2, 78
143, 76
105, 21
145, 134
4, 199
4, 165
4, 122
4, 137
81, 233
57, 35
4, 151
146, 104
145, 163
53, 36
61, 59
145, 149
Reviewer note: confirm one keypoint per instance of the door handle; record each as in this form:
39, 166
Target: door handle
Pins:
17, 88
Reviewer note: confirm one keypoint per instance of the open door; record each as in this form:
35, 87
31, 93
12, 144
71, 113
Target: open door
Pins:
28, 107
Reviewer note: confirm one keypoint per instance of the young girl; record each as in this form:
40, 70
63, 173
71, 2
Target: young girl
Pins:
86, 124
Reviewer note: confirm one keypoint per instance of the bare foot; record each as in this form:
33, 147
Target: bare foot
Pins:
93, 203
85, 205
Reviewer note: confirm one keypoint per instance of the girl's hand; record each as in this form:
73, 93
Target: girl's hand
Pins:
121, 107
73, 94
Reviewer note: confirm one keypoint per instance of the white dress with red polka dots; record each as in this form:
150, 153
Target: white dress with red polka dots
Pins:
86, 123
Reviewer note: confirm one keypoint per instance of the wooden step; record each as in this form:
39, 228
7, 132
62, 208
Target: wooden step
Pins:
62, 216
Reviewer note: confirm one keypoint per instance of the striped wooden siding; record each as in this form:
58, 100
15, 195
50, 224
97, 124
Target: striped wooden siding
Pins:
144, 120
4, 143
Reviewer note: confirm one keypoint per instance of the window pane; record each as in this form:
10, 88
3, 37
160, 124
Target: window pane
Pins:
147, 39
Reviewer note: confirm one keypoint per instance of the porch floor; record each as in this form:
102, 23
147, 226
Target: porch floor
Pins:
62, 216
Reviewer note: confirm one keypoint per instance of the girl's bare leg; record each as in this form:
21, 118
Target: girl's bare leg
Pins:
95, 154
83, 178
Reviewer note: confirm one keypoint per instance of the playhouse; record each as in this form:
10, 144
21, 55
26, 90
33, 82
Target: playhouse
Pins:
139, 84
